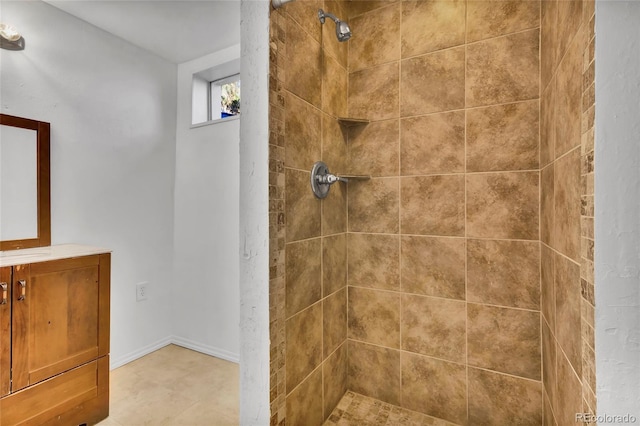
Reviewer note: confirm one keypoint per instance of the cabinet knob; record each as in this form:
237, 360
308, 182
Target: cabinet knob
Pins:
3, 287
23, 289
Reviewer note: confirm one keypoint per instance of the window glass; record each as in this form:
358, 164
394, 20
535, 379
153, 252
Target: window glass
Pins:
225, 97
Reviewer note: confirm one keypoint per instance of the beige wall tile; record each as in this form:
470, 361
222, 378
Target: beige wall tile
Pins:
431, 25
547, 286
568, 317
504, 69
302, 207
385, 384
373, 205
505, 340
334, 372
548, 124
330, 44
497, 399
334, 145
334, 317
547, 209
374, 261
434, 327
500, 205
433, 144
303, 137
304, 64
433, 82
303, 344
569, 19
376, 38
547, 413
487, 19
358, 7
549, 45
374, 149
334, 263
567, 205
503, 137
305, 14
373, 92
334, 85
334, 209
432, 205
304, 404
505, 273
549, 375
434, 387
588, 10
569, 392
433, 266
374, 316
303, 275
503, 205
569, 100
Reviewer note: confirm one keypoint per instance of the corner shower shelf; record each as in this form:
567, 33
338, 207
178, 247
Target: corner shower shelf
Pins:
352, 122
354, 177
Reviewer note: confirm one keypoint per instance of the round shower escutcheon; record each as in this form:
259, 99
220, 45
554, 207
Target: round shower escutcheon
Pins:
319, 187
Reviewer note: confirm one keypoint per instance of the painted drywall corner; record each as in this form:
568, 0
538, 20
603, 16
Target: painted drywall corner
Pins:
254, 215
617, 209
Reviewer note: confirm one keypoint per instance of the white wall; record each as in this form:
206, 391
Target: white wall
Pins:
112, 112
254, 214
205, 287
617, 204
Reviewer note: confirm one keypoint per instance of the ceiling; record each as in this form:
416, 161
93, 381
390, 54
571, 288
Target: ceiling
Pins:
176, 30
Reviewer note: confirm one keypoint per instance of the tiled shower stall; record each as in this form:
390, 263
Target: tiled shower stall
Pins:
458, 281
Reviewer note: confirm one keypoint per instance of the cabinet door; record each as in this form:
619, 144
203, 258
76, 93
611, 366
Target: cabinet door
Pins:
5, 331
56, 324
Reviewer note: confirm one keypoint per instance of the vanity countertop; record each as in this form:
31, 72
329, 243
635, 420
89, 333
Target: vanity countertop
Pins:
44, 254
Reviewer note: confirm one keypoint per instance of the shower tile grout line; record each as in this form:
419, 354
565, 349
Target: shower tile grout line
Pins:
460, 363
399, 147
466, 268
457, 46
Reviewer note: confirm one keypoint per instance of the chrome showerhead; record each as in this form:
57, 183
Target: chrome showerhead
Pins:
343, 32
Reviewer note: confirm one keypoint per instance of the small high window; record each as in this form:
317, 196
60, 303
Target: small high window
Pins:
225, 97
216, 94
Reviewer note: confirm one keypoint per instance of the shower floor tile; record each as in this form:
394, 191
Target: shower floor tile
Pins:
359, 410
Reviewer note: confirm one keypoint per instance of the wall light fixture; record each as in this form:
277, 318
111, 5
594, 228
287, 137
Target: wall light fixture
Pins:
10, 38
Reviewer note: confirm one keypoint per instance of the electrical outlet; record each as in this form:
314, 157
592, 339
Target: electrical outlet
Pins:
141, 291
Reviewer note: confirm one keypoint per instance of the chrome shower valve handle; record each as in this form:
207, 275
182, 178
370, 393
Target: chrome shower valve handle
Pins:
329, 179
322, 179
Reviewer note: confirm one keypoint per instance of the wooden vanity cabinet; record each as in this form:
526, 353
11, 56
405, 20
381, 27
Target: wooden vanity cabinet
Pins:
54, 346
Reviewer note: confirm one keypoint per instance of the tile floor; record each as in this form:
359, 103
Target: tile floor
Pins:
359, 410
174, 386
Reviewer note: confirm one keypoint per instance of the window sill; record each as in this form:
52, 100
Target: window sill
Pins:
220, 120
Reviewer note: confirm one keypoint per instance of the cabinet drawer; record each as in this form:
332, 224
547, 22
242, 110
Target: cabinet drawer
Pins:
57, 395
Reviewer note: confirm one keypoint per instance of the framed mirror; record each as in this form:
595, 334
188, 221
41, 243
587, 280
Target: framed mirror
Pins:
25, 200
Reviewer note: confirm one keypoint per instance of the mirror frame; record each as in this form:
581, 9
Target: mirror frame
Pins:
43, 133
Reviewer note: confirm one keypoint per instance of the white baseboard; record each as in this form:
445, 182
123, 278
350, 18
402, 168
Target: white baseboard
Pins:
132, 356
180, 341
205, 349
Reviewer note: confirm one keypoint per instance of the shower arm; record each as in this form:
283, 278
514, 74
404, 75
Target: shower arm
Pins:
322, 14
279, 3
